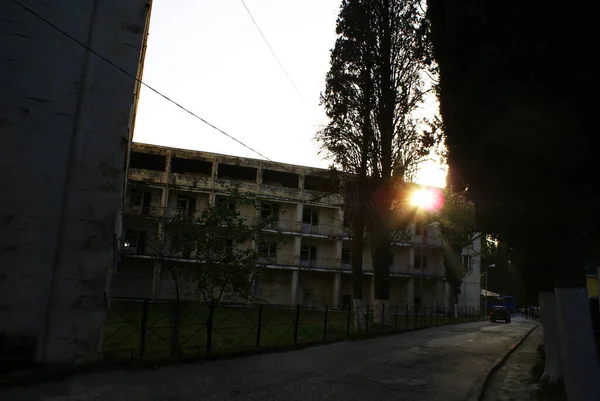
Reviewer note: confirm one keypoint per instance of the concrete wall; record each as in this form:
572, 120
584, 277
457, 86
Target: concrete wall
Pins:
470, 289
275, 287
65, 119
133, 279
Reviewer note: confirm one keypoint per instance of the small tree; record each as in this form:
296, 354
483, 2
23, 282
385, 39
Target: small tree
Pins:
225, 263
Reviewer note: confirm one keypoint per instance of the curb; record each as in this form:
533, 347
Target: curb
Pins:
499, 363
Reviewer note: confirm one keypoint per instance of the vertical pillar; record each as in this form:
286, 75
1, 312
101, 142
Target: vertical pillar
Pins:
371, 298
337, 285
294, 288
156, 280
410, 293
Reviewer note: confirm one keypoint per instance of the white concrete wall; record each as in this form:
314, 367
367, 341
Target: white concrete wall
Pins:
470, 289
64, 118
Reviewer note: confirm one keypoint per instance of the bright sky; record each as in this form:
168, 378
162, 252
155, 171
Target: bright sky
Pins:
209, 57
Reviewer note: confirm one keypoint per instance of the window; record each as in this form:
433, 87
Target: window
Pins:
191, 166
226, 203
147, 161
418, 227
185, 205
268, 211
466, 262
280, 178
317, 183
346, 300
141, 199
310, 216
417, 262
308, 252
135, 241
236, 173
268, 249
346, 255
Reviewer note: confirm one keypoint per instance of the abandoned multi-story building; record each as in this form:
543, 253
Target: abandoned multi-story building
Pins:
310, 266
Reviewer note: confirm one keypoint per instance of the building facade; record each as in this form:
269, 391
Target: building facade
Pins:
310, 262
66, 122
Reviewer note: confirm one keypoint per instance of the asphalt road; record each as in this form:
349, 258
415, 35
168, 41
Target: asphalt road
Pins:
444, 363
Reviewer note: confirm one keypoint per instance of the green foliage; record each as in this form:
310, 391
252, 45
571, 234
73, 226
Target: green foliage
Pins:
457, 220
220, 248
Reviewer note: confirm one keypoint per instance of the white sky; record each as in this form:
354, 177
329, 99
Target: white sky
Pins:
209, 57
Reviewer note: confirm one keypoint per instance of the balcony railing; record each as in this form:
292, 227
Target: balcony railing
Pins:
145, 211
296, 261
297, 227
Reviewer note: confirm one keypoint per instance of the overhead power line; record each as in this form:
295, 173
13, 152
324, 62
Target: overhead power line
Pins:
121, 69
289, 78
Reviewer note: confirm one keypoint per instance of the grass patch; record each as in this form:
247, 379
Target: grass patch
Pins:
235, 329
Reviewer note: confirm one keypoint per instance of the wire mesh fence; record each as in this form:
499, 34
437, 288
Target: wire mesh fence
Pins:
160, 330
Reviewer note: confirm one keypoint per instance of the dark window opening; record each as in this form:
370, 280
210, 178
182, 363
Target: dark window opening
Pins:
148, 161
185, 205
417, 263
226, 202
346, 255
268, 249
135, 241
322, 184
232, 172
310, 216
268, 211
191, 166
390, 259
346, 299
280, 178
308, 252
466, 263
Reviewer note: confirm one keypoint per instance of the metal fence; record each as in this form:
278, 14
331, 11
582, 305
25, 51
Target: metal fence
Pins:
157, 330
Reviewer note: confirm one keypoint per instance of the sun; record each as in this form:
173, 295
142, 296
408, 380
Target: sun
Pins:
429, 199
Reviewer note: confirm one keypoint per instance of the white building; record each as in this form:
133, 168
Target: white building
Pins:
311, 266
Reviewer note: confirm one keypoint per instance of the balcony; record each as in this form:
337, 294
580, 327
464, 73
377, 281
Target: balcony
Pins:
295, 261
144, 175
433, 240
144, 211
295, 226
191, 181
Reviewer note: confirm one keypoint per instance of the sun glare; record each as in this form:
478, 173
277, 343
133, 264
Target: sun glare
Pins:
427, 199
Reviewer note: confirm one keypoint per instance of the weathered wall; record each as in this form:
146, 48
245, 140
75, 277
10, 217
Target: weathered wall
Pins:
64, 118
470, 289
133, 279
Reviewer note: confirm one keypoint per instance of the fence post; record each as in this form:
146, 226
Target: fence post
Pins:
367, 321
325, 324
296, 323
143, 328
396, 319
348, 322
383, 314
406, 319
423, 316
209, 328
259, 325
437, 314
444, 315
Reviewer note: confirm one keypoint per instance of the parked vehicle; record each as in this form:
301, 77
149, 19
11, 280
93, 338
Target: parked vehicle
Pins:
500, 313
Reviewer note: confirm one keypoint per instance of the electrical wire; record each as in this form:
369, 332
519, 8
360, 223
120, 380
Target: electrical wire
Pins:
121, 69
277, 58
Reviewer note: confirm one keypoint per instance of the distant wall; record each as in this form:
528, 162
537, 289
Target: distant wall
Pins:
65, 128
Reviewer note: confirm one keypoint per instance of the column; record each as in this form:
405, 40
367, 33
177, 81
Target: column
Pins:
294, 288
337, 285
156, 280
371, 281
410, 293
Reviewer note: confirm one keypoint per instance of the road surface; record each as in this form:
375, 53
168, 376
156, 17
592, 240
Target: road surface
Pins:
444, 363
